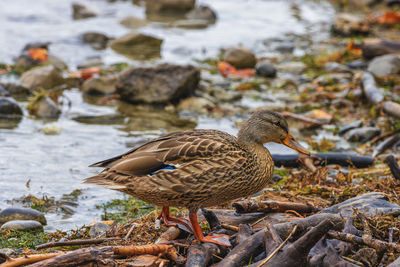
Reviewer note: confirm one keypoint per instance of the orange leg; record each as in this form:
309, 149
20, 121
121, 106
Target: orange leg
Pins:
199, 234
172, 221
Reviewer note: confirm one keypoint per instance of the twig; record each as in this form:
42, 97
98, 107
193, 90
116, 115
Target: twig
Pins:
79, 242
301, 118
394, 166
230, 227
134, 225
29, 259
279, 247
353, 261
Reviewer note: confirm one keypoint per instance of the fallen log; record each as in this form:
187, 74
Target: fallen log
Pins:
345, 160
199, 255
272, 206
79, 242
394, 166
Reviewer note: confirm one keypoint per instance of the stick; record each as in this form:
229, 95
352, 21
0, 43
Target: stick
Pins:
29, 259
230, 227
272, 206
244, 232
345, 160
302, 118
171, 234
388, 142
199, 255
79, 242
152, 249
394, 166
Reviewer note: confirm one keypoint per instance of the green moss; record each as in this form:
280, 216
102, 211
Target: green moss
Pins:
23, 239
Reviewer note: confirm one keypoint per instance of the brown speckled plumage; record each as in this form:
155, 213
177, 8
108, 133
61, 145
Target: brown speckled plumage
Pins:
212, 167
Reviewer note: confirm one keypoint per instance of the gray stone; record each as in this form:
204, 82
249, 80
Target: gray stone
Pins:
169, 6
385, 65
137, 45
347, 24
160, 84
370, 204
96, 40
57, 62
22, 225
17, 90
357, 64
202, 12
336, 67
133, 22
362, 134
240, 58
10, 214
100, 85
265, 69
3, 91
9, 108
192, 24
98, 229
199, 105
46, 77
347, 127
285, 47
82, 11
45, 108
293, 67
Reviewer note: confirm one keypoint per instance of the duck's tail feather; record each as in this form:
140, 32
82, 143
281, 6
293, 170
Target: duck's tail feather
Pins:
99, 180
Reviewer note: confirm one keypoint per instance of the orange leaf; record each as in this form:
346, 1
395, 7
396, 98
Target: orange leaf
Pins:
352, 47
227, 70
390, 17
319, 114
39, 54
86, 73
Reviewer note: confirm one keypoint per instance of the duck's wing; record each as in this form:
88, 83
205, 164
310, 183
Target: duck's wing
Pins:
171, 149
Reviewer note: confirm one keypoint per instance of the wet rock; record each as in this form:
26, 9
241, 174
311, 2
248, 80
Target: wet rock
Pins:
44, 108
82, 11
370, 204
3, 91
362, 134
133, 22
9, 108
227, 96
169, 6
348, 24
265, 69
240, 58
11, 214
16, 90
336, 67
160, 84
101, 120
285, 47
199, 105
45, 77
374, 47
294, 67
100, 85
191, 24
137, 45
57, 62
22, 225
96, 40
385, 65
203, 13
357, 64
94, 61
347, 127
98, 229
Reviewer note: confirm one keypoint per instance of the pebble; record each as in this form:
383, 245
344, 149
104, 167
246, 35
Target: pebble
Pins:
198, 105
3, 91
9, 107
97, 40
385, 65
98, 229
347, 127
100, 85
133, 22
45, 108
265, 69
357, 64
9, 214
294, 67
240, 58
82, 11
347, 24
202, 12
169, 6
362, 134
22, 225
46, 77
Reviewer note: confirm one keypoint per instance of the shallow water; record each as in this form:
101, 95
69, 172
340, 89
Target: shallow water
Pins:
56, 164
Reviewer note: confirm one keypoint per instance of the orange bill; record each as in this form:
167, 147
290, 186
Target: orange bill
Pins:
292, 143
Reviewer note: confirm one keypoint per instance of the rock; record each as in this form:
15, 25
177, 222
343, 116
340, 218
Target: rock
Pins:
16, 90
46, 77
191, 24
96, 40
94, 61
385, 65
294, 67
357, 64
3, 91
169, 6
137, 45
362, 134
44, 108
265, 69
81, 11
227, 96
240, 58
160, 84
374, 47
335, 67
9, 108
348, 24
133, 22
10, 214
22, 225
285, 47
57, 62
347, 127
98, 229
199, 105
100, 85
204, 13
370, 204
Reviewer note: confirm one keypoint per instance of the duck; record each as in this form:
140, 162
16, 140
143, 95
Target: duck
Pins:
198, 168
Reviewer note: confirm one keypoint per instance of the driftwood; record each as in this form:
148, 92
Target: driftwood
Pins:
29, 259
79, 242
386, 144
272, 206
394, 166
199, 255
377, 47
345, 160
171, 234
244, 232
254, 245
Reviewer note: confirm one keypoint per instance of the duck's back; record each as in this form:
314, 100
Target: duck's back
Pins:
193, 168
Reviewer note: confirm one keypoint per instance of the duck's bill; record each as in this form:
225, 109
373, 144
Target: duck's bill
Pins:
292, 143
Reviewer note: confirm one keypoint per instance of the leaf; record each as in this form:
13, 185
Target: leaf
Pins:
86, 73
39, 54
227, 70
390, 17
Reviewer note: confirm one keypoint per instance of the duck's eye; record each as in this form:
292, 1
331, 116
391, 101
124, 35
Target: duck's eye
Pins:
278, 123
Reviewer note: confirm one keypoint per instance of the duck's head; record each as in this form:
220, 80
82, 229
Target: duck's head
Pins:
267, 126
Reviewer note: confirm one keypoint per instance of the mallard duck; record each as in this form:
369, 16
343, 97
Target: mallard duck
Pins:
198, 168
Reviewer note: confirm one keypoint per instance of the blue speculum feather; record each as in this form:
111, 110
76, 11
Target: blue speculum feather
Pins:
164, 167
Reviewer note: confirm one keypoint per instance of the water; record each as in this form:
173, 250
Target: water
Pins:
56, 164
